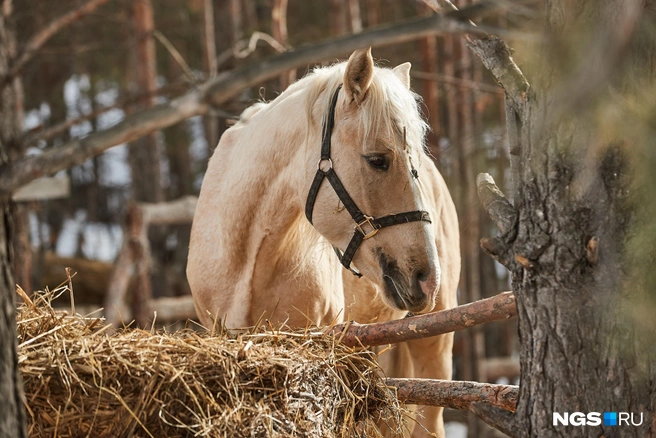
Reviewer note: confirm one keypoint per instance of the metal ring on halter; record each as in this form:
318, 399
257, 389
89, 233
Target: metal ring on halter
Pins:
325, 159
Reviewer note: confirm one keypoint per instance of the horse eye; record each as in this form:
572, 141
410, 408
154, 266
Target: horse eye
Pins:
378, 162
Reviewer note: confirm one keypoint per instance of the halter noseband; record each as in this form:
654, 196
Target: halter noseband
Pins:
365, 226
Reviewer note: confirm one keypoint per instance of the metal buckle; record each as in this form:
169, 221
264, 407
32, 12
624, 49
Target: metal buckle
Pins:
367, 220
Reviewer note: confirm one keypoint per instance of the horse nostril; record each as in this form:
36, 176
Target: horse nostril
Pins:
420, 276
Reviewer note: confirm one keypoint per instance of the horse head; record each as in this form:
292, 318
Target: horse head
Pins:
375, 134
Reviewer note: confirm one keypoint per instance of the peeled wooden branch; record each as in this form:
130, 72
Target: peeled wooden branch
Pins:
496, 308
454, 394
180, 211
500, 210
173, 308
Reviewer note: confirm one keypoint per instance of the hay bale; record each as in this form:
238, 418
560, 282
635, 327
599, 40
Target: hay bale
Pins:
81, 380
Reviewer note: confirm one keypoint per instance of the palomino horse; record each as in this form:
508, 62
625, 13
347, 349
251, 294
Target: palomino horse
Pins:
384, 210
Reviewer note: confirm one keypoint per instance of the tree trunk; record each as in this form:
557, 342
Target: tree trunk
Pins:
337, 17
144, 154
236, 20
430, 87
209, 44
279, 32
373, 13
355, 17
584, 284
12, 413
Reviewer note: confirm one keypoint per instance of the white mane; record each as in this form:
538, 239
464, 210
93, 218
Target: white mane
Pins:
388, 107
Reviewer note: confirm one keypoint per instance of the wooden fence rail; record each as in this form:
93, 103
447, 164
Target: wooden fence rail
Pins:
134, 262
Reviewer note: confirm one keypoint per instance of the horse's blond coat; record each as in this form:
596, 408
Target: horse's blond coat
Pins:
253, 252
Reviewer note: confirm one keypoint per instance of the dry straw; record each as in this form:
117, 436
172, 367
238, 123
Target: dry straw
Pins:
82, 380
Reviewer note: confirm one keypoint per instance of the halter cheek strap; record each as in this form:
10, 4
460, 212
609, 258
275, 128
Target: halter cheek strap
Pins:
365, 226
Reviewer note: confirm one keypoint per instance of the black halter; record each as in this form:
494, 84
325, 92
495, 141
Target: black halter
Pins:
365, 226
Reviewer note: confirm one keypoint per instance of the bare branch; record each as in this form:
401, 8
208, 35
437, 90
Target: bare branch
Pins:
454, 394
230, 84
41, 133
495, 55
496, 308
496, 417
499, 209
244, 48
498, 250
216, 91
458, 82
176, 55
38, 40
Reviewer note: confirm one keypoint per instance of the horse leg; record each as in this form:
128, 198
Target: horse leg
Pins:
431, 359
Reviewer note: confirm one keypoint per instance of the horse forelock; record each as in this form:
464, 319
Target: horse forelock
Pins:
388, 108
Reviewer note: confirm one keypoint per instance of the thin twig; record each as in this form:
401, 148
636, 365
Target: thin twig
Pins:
454, 80
40, 133
176, 55
38, 40
244, 48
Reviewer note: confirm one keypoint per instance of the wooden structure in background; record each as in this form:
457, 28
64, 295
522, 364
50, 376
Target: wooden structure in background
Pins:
134, 262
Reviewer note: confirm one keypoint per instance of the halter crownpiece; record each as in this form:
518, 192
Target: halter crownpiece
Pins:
365, 226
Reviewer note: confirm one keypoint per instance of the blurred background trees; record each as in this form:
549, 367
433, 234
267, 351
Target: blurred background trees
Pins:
129, 55
592, 77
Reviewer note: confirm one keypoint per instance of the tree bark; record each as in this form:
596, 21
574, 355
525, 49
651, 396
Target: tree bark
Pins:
570, 244
454, 394
22, 264
12, 413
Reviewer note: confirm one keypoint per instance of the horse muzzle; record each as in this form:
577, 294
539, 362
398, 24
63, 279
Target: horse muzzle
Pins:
415, 293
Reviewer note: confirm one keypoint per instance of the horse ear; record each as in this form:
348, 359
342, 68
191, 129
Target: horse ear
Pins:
358, 75
403, 72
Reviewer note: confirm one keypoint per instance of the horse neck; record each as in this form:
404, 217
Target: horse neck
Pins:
271, 160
